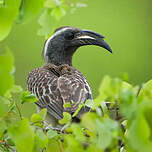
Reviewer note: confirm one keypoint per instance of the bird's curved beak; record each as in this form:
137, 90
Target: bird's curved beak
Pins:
85, 37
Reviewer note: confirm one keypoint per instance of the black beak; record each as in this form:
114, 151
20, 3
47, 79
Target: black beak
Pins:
85, 37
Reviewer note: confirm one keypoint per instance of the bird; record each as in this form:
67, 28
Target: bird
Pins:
58, 82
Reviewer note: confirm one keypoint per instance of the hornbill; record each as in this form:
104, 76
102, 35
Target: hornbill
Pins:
58, 82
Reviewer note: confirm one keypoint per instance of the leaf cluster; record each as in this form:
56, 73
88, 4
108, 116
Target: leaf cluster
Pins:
120, 119
48, 12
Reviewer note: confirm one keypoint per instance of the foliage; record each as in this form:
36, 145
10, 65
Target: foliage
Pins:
49, 13
120, 119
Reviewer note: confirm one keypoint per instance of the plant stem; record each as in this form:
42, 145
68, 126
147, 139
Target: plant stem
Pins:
20, 115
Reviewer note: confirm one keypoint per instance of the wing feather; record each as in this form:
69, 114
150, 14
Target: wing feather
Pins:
73, 89
54, 90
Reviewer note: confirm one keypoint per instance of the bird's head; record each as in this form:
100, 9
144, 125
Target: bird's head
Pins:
60, 47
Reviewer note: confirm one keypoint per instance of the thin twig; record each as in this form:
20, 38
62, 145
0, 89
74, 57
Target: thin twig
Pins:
18, 109
61, 147
33, 123
7, 145
140, 87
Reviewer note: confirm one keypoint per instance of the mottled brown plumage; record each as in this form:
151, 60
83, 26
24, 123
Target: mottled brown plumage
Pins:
57, 85
58, 82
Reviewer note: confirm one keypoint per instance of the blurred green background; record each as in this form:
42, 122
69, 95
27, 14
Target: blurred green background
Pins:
126, 26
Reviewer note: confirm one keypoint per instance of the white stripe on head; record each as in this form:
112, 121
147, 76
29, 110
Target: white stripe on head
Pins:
48, 41
85, 37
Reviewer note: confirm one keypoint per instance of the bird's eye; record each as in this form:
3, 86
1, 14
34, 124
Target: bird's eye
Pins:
69, 36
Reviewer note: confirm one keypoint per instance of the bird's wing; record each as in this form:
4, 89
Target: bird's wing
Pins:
43, 83
74, 88
71, 91
54, 88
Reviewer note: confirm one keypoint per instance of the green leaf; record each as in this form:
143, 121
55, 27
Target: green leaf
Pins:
58, 13
3, 107
89, 103
73, 145
39, 117
10, 142
41, 139
36, 118
45, 22
43, 113
146, 91
125, 77
2, 127
6, 67
54, 145
77, 111
78, 132
140, 132
81, 5
2, 3
89, 121
28, 97
128, 103
66, 118
51, 133
106, 129
50, 3
66, 105
16, 89
108, 90
7, 61
23, 136
29, 9
8, 14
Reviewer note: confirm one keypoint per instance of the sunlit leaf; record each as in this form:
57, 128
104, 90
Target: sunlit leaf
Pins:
66, 105
89, 121
106, 129
29, 9
6, 67
108, 90
43, 113
2, 127
50, 3
54, 145
10, 142
23, 136
51, 133
36, 118
41, 139
8, 14
2, 3
77, 111
45, 22
28, 97
146, 91
78, 132
3, 107
139, 135
58, 12
66, 118
16, 89
72, 144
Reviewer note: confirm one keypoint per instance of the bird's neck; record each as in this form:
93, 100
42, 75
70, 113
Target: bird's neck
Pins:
61, 57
